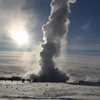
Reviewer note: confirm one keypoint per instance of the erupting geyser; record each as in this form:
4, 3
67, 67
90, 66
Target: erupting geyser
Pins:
55, 30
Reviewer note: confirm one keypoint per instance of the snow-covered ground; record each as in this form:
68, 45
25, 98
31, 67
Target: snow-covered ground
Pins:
27, 91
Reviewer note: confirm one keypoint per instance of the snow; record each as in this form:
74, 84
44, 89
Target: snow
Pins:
30, 91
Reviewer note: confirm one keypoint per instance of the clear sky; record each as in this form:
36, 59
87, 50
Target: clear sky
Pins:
28, 16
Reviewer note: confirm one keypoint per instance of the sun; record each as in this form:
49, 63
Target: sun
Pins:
20, 36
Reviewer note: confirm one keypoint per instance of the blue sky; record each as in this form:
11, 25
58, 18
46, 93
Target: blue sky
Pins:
83, 37
84, 28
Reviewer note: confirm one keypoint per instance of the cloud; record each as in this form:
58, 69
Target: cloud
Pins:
72, 1
86, 26
79, 45
82, 61
54, 34
27, 61
11, 69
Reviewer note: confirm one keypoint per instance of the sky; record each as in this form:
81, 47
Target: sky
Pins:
28, 16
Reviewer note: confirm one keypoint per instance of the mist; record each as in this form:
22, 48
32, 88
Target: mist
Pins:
14, 17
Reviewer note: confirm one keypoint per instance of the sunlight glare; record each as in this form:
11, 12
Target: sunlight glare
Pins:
20, 36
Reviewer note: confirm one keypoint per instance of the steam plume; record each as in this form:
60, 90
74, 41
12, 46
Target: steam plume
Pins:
55, 30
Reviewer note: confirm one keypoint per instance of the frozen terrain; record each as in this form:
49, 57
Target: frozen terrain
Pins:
27, 91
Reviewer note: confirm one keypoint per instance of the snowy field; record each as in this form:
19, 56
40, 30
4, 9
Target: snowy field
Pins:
30, 91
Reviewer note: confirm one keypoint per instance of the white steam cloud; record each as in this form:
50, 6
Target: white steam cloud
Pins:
53, 33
